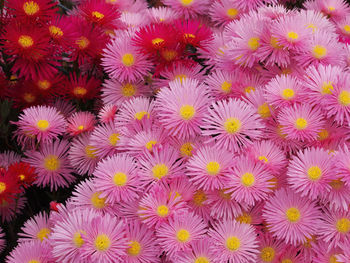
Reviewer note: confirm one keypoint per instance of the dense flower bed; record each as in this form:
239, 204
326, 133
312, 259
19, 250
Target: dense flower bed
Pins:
185, 131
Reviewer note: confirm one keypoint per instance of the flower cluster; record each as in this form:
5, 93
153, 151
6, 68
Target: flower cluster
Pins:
196, 131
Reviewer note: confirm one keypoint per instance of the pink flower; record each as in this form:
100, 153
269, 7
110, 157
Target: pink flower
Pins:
37, 228
30, 251
187, 8
80, 122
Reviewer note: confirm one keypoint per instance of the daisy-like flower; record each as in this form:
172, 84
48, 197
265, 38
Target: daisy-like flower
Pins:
61, 32
249, 181
122, 61
37, 228
301, 122
116, 92
180, 232
161, 14
251, 216
162, 164
85, 196
291, 217
106, 139
181, 186
310, 172
201, 252
81, 122
232, 121
24, 173
105, 239
82, 87
334, 9
31, 251
335, 227
343, 29
82, 155
225, 11
8, 158
290, 255
51, 165
188, 8
9, 187
339, 196
325, 255
133, 20
234, 242
322, 48
269, 248
182, 107
209, 167
320, 82
316, 21
268, 153
44, 122
187, 147
142, 244
157, 207
115, 178
283, 91
66, 237
199, 203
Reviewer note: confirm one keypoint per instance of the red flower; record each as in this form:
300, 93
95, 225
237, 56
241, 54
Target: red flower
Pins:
24, 94
61, 32
9, 187
82, 87
32, 10
47, 88
24, 173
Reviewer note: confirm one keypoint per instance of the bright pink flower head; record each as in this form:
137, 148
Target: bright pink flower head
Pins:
283, 91
161, 14
290, 254
116, 179
188, 8
334, 9
301, 122
31, 251
208, 168
182, 107
232, 121
316, 21
107, 113
224, 12
122, 61
51, 165
201, 252
310, 172
251, 215
81, 122
233, 242
142, 244
105, 240
269, 248
37, 228
325, 255
290, 217
43, 122
179, 233
249, 181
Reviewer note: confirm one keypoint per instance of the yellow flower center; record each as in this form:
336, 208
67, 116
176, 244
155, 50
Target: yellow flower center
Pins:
199, 197
293, 214
232, 125
22, 177
128, 60
188, 36
186, 149
263, 158
288, 94
331, 8
44, 84
28, 97
244, 218
224, 195
120, 179
301, 123
186, 2
77, 239
333, 259
2, 187
25, 41
323, 134
55, 31
43, 233
134, 249
267, 254
226, 87
97, 15
187, 112
183, 235
264, 110
180, 77
160, 170
51, 163
82, 42
202, 260
233, 243
33, 261
102, 242
169, 54
344, 98
157, 41
319, 51
43, 125
287, 260
314, 173
213, 168
150, 144
248, 179
232, 12
79, 91
253, 43
292, 35
80, 127
327, 88
139, 115
347, 28
90, 151
162, 210
31, 8
274, 43
343, 225
128, 90
113, 139
249, 89
98, 202
337, 184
